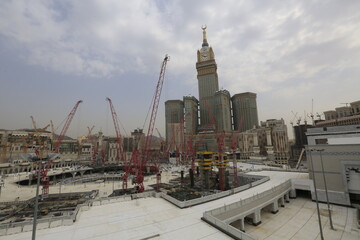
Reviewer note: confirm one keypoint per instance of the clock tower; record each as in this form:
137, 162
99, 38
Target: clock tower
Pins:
207, 82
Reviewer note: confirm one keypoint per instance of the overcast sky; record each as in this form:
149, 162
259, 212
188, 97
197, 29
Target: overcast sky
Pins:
54, 53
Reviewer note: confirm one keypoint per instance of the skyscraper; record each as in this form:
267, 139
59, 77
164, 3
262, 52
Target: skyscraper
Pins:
191, 115
207, 81
245, 113
222, 110
174, 115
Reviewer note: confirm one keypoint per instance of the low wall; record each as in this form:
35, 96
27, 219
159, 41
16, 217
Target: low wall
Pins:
226, 228
193, 202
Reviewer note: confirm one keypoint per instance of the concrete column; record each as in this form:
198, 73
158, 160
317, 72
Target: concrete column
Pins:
257, 217
287, 197
82, 173
292, 193
282, 202
73, 174
242, 224
275, 207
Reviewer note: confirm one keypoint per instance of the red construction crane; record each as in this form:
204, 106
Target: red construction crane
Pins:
234, 142
220, 137
45, 167
148, 139
120, 150
66, 126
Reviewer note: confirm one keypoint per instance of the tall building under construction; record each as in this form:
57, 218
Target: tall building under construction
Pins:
245, 112
214, 111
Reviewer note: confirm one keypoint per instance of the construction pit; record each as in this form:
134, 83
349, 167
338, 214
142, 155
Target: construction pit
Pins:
52, 205
192, 186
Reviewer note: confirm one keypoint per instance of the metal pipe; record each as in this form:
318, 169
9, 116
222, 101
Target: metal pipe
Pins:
326, 191
316, 197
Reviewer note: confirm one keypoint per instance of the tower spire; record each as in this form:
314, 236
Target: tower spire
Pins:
205, 43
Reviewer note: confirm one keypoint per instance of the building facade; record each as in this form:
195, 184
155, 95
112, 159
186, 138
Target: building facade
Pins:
267, 142
222, 111
245, 114
191, 117
341, 116
208, 82
174, 113
334, 155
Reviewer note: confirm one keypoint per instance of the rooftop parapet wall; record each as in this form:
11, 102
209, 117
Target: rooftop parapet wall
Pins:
197, 201
222, 217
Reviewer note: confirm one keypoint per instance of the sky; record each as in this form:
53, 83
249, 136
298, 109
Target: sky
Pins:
298, 56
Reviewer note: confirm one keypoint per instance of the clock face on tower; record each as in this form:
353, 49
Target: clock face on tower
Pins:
204, 56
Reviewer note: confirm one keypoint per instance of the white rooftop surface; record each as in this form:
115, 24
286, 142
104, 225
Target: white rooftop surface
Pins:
155, 218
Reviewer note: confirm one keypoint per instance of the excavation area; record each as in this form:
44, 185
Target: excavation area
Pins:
52, 205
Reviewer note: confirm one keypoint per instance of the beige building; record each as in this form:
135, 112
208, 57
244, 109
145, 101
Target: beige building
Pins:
334, 154
267, 142
14, 143
355, 107
348, 115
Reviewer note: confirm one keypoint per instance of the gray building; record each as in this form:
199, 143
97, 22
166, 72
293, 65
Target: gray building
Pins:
245, 111
222, 111
334, 154
174, 113
191, 115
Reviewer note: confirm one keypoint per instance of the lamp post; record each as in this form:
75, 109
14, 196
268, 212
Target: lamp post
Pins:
316, 197
327, 197
36, 205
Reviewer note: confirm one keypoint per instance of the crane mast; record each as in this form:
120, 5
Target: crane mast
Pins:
148, 139
66, 126
120, 151
156, 101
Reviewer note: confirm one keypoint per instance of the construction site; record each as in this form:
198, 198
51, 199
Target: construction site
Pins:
209, 172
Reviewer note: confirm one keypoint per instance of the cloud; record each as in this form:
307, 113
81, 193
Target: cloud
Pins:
274, 48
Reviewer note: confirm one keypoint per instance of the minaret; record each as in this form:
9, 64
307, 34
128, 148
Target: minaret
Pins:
207, 82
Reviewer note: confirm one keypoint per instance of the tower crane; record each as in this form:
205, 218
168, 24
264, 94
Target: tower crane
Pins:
33, 122
66, 126
45, 167
119, 149
233, 145
292, 120
148, 139
52, 130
